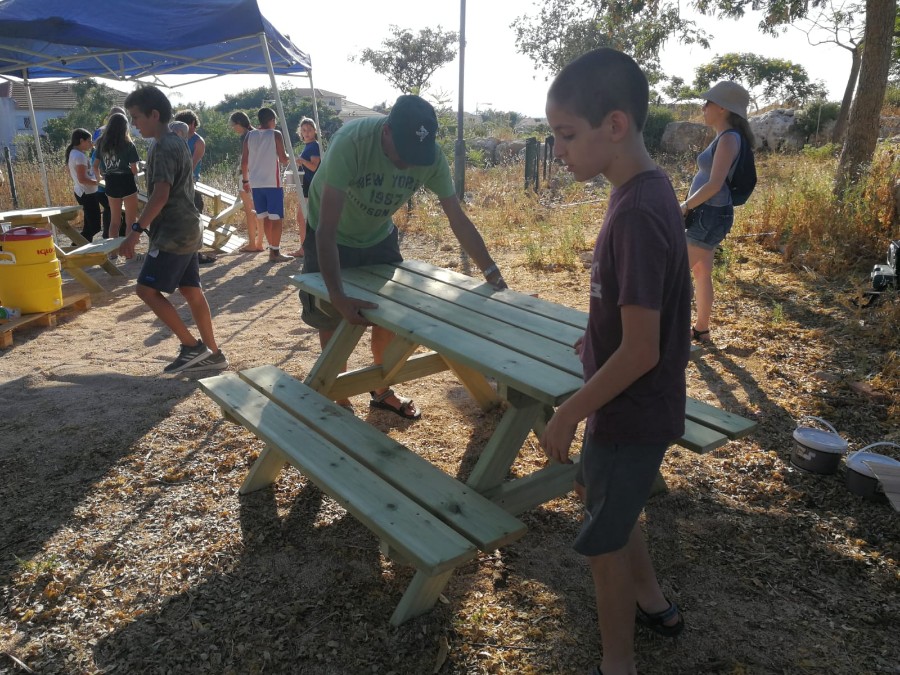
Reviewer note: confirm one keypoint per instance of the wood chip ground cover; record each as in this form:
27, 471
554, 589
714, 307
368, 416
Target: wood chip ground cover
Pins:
124, 547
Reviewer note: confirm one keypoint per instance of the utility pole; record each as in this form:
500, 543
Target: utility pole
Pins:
459, 153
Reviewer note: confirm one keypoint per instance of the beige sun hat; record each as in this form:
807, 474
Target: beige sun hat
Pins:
730, 95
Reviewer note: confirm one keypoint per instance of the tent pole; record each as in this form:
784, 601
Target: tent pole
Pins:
312, 88
37, 141
288, 146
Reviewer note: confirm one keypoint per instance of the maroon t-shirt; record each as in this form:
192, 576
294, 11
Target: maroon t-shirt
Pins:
641, 259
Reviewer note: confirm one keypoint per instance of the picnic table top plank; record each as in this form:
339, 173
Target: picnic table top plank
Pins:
384, 510
487, 305
541, 381
511, 334
536, 306
40, 212
454, 503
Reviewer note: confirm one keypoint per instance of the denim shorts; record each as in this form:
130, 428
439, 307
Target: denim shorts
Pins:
706, 226
617, 478
385, 251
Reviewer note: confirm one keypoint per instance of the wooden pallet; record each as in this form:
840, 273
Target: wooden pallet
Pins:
71, 300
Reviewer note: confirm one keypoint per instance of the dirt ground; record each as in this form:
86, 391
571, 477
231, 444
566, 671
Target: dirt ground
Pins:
125, 548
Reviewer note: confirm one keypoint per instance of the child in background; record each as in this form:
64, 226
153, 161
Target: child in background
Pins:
240, 124
180, 129
197, 146
309, 160
173, 225
84, 182
635, 349
116, 159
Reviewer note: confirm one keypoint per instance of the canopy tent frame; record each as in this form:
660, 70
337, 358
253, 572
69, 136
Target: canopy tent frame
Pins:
29, 64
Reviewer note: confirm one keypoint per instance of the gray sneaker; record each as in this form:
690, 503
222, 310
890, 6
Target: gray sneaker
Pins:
187, 357
215, 361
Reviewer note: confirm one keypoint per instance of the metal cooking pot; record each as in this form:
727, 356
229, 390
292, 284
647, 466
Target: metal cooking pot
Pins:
816, 450
861, 480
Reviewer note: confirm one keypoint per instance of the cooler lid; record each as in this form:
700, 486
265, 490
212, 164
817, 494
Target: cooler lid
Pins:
24, 233
817, 439
855, 462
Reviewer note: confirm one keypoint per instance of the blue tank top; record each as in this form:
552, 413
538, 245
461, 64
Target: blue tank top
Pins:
704, 168
192, 141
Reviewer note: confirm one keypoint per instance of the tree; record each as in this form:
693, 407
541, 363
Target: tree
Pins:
767, 80
408, 60
840, 26
862, 133
564, 29
296, 107
92, 103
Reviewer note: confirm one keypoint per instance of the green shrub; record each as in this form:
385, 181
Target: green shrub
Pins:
823, 152
813, 116
657, 119
892, 96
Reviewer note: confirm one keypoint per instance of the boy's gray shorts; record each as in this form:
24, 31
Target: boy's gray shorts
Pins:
617, 480
385, 251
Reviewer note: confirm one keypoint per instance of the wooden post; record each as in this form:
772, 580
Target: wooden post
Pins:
12, 177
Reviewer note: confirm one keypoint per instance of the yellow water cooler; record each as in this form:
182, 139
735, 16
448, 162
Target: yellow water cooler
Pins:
30, 278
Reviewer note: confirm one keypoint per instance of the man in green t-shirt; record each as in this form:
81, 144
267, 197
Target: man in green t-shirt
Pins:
372, 167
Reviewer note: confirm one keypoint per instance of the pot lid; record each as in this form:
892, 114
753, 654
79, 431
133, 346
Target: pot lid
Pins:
817, 439
855, 462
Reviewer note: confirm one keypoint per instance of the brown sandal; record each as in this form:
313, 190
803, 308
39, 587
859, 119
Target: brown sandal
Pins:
404, 411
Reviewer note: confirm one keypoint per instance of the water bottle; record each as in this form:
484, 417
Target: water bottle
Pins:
8, 313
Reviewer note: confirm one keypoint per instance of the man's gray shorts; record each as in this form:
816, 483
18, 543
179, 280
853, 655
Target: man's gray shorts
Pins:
617, 480
385, 251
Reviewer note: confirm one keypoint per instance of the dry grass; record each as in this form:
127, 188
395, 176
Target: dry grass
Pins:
124, 547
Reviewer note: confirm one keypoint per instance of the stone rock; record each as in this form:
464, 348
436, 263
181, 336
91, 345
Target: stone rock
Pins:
686, 138
890, 126
776, 130
486, 145
510, 151
824, 135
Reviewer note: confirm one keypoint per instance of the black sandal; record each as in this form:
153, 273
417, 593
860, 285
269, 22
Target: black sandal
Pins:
697, 336
657, 622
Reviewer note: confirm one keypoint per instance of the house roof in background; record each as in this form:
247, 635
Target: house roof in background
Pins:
46, 95
354, 111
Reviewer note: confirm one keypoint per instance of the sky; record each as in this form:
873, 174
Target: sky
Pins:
496, 75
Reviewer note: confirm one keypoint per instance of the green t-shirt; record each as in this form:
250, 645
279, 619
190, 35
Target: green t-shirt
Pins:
375, 189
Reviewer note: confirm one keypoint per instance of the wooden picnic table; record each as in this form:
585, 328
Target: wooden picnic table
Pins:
523, 343
421, 515
82, 253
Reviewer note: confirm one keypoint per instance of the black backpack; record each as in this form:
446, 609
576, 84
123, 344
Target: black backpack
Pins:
742, 178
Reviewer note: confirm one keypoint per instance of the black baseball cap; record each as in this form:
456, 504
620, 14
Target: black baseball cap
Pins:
414, 126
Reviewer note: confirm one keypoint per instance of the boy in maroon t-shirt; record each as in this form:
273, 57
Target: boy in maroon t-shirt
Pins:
635, 348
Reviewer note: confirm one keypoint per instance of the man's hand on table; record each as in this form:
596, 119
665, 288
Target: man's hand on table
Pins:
349, 308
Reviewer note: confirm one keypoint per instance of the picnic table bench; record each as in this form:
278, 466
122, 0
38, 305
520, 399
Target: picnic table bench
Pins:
82, 254
421, 515
216, 235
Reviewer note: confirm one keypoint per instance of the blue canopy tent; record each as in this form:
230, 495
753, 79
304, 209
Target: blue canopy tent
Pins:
146, 43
